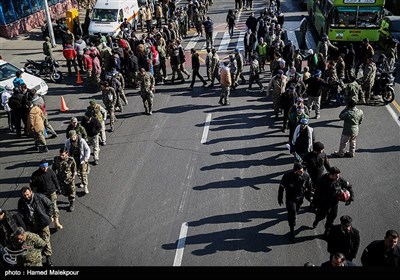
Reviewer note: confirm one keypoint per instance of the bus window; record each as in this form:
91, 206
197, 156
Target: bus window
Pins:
344, 17
368, 17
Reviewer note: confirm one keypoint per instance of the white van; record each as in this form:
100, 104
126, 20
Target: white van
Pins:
108, 15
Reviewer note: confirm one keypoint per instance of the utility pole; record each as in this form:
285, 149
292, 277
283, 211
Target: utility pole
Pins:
49, 24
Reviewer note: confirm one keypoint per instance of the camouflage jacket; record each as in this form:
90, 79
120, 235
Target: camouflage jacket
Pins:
64, 169
31, 250
109, 97
147, 83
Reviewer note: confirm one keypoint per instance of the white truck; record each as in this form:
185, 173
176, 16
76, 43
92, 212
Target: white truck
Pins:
108, 15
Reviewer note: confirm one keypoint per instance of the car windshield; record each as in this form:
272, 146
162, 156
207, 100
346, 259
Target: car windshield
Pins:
105, 15
7, 71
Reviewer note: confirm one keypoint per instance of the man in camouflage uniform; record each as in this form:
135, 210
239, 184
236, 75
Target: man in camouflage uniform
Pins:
65, 168
48, 48
240, 64
255, 73
80, 151
147, 90
367, 81
278, 86
208, 63
117, 75
109, 97
117, 86
98, 112
233, 69
352, 117
31, 243
214, 71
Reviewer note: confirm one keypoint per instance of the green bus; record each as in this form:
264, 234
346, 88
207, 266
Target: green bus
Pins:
347, 20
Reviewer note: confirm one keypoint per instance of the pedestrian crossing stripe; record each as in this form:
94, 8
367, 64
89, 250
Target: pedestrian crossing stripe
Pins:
222, 42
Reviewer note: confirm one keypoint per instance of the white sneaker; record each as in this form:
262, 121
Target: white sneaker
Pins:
86, 189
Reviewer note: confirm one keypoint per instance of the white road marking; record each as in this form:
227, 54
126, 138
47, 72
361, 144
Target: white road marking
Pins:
192, 43
206, 128
240, 43
205, 43
393, 114
223, 46
181, 244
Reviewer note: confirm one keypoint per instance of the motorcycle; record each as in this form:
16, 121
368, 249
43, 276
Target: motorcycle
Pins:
384, 84
47, 68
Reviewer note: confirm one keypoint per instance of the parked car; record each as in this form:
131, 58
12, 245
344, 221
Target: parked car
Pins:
390, 29
7, 75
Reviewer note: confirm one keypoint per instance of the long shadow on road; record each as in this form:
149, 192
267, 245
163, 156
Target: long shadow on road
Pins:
251, 238
237, 182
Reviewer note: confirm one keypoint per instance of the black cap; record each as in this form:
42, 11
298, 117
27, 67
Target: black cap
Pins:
346, 220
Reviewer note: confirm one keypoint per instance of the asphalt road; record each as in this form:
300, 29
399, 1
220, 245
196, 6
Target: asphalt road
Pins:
156, 181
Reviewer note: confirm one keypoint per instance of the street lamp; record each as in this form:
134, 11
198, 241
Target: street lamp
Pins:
49, 24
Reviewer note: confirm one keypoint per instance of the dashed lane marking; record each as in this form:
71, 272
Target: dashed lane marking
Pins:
181, 244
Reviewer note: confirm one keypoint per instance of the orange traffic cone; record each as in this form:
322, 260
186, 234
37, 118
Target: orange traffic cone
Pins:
78, 78
64, 107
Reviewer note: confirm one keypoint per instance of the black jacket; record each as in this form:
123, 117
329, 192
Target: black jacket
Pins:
315, 164
42, 207
327, 190
375, 255
92, 127
314, 86
44, 182
195, 61
296, 186
345, 243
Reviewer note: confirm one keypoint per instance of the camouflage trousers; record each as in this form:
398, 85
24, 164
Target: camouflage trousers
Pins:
83, 172
44, 233
53, 198
147, 99
103, 136
94, 142
111, 112
68, 189
122, 96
